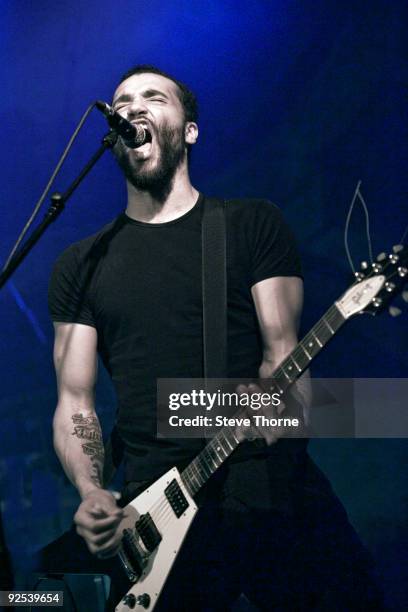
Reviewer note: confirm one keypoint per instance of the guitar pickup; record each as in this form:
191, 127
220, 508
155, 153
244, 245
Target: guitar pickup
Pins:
148, 532
176, 498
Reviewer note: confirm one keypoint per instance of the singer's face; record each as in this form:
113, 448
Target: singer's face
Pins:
152, 101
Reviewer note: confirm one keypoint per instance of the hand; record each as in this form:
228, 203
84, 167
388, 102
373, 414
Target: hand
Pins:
97, 520
262, 428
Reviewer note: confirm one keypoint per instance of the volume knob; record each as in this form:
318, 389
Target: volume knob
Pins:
129, 600
143, 600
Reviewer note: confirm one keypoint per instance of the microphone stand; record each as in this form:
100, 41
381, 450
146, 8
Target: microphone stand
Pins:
58, 201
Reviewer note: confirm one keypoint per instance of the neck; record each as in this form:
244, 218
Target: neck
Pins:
147, 207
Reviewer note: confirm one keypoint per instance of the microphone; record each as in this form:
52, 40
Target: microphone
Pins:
133, 136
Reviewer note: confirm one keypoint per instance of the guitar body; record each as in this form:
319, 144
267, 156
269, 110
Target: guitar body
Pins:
164, 502
156, 522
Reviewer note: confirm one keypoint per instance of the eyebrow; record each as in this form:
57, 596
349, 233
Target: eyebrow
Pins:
148, 93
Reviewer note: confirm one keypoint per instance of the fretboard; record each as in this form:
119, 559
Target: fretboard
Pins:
225, 441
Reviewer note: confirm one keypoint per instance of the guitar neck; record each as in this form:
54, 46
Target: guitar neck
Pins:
225, 441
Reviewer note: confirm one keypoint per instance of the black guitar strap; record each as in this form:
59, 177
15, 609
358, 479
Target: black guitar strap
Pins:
214, 288
214, 291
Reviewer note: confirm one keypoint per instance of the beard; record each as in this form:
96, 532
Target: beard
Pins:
157, 179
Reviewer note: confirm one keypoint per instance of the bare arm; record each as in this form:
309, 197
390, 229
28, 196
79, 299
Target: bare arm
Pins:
278, 302
77, 433
78, 436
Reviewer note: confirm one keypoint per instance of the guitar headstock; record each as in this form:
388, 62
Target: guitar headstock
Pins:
377, 285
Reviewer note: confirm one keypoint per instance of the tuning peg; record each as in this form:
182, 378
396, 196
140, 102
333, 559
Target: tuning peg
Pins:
394, 311
381, 256
377, 301
405, 296
359, 276
376, 267
364, 265
393, 258
389, 287
397, 248
402, 271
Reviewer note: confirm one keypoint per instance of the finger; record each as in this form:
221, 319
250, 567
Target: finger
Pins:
242, 389
98, 512
106, 506
281, 407
108, 549
271, 439
110, 554
254, 388
100, 539
97, 526
96, 540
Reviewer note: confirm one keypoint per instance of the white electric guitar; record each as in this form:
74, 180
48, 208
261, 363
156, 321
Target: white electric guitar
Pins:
156, 522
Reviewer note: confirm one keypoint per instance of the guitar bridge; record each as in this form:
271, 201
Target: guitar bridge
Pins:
132, 556
176, 498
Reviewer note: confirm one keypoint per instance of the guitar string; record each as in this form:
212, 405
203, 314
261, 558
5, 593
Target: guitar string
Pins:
161, 509
199, 467
162, 504
194, 468
333, 316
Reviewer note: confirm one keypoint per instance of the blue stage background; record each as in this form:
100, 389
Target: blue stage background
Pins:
299, 101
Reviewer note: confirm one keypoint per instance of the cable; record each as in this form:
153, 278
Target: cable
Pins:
49, 185
367, 218
404, 235
357, 194
350, 210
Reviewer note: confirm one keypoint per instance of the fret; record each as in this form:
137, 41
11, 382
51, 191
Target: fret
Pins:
317, 339
286, 365
214, 453
305, 350
299, 369
225, 442
215, 448
213, 458
286, 374
301, 358
196, 476
197, 473
188, 484
204, 469
234, 437
328, 325
281, 378
193, 486
229, 443
324, 333
312, 345
280, 390
220, 447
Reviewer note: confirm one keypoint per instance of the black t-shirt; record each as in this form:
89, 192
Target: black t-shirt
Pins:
139, 285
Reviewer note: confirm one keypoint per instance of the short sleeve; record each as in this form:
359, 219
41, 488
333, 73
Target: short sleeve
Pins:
273, 246
68, 290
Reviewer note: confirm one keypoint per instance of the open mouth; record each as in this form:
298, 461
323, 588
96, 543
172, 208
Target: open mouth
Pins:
146, 147
149, 136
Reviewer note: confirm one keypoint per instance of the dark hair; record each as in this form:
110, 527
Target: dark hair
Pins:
186, 96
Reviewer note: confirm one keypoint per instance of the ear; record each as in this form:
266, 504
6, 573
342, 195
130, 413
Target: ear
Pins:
191, 132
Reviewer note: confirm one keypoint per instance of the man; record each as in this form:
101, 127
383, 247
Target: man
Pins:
133, 293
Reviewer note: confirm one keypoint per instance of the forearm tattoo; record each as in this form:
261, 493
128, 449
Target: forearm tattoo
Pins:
88, 429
